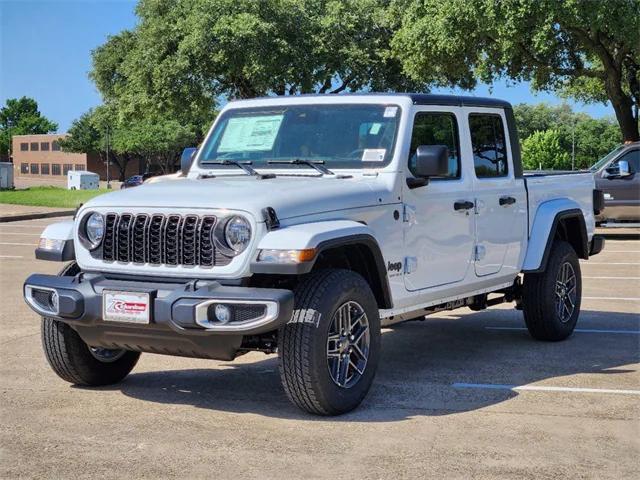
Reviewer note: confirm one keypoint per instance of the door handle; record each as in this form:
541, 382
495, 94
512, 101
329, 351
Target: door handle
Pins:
463, 205
507, 201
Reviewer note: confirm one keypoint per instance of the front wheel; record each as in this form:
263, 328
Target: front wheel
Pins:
329, 350
551, 301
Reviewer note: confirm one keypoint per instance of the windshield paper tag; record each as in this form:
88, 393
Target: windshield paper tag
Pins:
390, 112
250, 134
373, 154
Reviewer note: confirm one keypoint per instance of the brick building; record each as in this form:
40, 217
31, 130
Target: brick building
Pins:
41, 156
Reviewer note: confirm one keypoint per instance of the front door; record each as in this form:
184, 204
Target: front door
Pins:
622, 194
500, 198
438, 238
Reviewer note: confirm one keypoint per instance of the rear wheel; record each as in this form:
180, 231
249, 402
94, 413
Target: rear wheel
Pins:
551, 301
329, 350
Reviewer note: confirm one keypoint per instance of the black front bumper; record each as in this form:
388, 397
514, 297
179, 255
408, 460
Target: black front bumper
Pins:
176, 325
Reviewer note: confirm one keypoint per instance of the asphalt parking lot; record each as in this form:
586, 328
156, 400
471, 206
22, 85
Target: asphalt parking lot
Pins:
459, 395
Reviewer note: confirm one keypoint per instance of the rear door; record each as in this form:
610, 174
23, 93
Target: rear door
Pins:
500, 198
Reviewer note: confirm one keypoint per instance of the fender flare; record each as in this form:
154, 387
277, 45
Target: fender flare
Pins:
323, 236
61, 231
545, 225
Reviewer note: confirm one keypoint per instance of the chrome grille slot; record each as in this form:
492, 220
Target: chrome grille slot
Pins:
161, 240
108, 244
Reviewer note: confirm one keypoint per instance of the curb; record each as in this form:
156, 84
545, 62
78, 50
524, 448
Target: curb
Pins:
34, 216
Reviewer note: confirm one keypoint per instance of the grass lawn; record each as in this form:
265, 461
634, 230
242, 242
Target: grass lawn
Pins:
49, 196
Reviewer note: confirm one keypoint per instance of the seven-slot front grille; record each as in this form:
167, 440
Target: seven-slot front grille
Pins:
161, 239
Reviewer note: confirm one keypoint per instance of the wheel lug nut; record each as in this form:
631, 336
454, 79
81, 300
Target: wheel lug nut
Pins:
352, 338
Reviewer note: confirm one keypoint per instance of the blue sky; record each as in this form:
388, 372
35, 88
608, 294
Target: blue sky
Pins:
45, 48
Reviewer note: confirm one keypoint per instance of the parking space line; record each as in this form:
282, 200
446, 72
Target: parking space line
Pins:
623, 299
20, 233
620, 251
588, 262
11, 256
541, 388
577, 330
20, 226
22, 244
613, 278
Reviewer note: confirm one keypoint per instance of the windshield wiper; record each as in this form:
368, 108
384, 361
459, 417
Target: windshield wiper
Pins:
245, 166
315, 164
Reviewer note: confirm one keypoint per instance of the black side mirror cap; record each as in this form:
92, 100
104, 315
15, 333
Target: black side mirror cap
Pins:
186, 159
431, 161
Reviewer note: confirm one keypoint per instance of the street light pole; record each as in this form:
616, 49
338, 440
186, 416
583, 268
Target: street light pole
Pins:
108, 161
573, 146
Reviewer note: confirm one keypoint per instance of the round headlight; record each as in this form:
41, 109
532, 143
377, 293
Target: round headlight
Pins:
237, 233
94, 229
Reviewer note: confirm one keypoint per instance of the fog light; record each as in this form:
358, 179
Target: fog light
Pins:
55, 302
223, 313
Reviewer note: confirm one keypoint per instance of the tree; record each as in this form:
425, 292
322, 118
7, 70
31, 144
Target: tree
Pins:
185, 54
589, 138
20, 116
542, 150
588, 49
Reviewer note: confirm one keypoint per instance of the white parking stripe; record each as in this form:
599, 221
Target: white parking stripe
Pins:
577, 330
620, 251
589, 262
614, 278
23, 244
629, 299
11, 225
492, 386
11, 256
20, 233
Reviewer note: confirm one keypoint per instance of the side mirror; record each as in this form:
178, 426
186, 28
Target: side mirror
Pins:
431, 161
619, 170
623, 168
186, 159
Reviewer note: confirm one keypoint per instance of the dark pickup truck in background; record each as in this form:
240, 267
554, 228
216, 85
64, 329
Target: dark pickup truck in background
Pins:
618, 176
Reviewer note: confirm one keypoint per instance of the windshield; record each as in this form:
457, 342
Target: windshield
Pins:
341, 136
598, 165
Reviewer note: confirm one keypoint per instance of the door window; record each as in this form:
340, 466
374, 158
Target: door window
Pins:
436, 128
633, 157
489, 145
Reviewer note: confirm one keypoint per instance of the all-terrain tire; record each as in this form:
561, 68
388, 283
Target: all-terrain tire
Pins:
543, 314
303, 343
71, 358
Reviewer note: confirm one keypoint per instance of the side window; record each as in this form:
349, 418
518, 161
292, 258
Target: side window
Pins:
489, 145
633, 157
436, 128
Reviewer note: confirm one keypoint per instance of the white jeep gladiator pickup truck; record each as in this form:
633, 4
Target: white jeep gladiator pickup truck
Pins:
300, 226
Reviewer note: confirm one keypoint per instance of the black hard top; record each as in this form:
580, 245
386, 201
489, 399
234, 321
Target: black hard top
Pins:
457, 100
431, 99
424, 99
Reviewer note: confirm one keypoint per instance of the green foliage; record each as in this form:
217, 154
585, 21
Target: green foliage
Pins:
49, 196
185, 54
587, 49
593, 138
542, 150
20, 116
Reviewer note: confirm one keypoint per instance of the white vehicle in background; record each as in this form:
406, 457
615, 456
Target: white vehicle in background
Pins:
82, 180
303, 224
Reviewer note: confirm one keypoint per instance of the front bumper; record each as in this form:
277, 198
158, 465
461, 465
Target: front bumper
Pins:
181, 322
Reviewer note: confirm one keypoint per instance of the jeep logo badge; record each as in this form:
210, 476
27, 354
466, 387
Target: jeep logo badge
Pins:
394, 267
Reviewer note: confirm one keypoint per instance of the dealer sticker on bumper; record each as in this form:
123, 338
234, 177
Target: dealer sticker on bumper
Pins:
128, 307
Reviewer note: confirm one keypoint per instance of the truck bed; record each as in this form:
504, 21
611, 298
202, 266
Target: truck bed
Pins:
577, 186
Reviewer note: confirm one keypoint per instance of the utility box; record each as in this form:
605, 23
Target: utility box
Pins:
6, 175
82, 180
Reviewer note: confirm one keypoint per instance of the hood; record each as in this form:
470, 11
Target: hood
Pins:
289, 196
